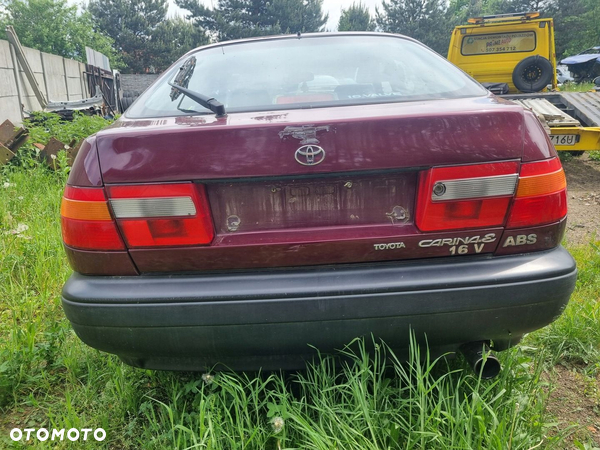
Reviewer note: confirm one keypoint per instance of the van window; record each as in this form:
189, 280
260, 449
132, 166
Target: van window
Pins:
481, 44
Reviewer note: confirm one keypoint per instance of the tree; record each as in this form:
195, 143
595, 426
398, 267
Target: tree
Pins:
171, 39
130, 23
516, 6
576, 25
423, 20
236, 19
297, 16
52, 26
356, 18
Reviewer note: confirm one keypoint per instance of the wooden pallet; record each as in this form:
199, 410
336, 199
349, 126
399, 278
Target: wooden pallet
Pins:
545, 110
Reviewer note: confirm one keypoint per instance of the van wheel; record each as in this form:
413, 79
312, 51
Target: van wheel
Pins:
532, 74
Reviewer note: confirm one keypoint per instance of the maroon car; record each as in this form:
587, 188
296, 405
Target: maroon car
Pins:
267, 196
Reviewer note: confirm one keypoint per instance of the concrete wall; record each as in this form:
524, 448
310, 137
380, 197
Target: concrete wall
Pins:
9, 100
60, 79
137, 82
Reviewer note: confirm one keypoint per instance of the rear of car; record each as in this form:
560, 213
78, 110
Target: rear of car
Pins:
516, 49
349, 190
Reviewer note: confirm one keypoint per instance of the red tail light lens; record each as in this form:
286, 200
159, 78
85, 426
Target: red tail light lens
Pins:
470, 196
86, 220
541, 196
162, 214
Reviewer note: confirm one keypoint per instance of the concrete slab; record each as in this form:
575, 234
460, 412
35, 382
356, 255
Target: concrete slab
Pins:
5, 59
33, 58
74, 88
8, 87
55, 77
27, 96
10, 109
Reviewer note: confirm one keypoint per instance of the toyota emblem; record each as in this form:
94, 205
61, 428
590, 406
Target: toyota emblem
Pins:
310, 155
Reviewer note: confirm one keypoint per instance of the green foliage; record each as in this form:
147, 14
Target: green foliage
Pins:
53, 26
577, 25
44, 125
235, 19
423, 20
356, 18
171, 39
141, 32
577, 87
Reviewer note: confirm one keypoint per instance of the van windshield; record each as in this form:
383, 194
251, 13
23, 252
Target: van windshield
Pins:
308, 72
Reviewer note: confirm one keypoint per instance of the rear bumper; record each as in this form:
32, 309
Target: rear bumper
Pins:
268, 318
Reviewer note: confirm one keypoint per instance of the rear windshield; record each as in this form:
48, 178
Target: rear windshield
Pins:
307, 72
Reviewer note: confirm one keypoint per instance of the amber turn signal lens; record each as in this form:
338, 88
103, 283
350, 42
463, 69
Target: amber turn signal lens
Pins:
542, 184
86, 220
84, 210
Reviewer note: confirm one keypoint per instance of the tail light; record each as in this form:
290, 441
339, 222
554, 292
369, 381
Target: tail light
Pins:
86, 220
162, 214
470, 196
541, 196
481, 195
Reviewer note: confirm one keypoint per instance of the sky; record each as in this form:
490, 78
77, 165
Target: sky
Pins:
332, 7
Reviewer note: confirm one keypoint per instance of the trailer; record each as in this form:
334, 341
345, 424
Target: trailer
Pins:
571, 118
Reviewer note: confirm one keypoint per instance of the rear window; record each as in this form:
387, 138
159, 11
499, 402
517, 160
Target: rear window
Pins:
481, 44
312, 71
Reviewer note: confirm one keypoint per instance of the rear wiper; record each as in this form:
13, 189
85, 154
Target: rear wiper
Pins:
208, 102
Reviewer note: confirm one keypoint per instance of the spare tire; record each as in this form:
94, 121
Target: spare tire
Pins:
533, 74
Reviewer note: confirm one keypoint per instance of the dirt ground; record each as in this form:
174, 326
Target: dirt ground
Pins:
583, 185
574, 401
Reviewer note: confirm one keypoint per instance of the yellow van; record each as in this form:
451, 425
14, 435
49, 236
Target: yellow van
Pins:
516, 49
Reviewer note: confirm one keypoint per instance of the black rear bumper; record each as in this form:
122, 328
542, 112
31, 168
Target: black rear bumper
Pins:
269, 318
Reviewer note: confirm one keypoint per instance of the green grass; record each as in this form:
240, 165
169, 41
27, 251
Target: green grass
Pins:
577, 87
48, 378
575, 337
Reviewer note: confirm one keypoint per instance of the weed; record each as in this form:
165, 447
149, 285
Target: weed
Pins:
44, 125
577, 87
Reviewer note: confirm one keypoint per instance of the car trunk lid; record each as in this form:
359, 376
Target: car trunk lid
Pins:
273, 206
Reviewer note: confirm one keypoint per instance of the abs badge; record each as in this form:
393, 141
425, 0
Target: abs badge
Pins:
310, 154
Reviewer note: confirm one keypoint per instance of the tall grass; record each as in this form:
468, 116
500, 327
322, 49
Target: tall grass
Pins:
371, 401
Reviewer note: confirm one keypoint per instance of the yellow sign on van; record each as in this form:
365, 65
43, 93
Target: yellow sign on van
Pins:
482, 44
